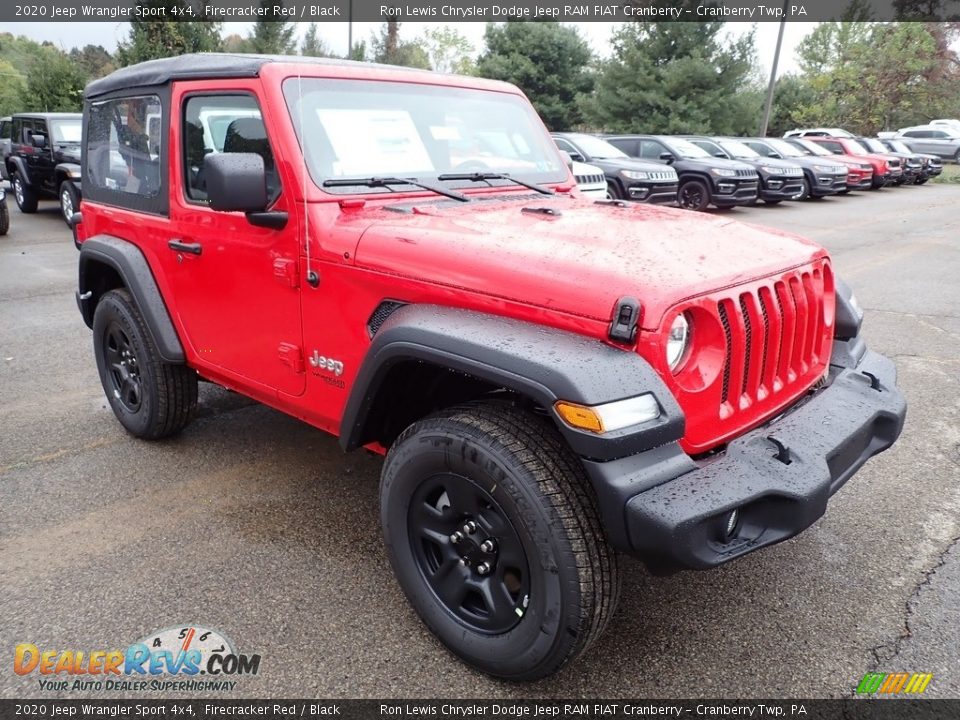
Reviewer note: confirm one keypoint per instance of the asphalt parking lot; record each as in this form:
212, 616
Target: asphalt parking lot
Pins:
257, 525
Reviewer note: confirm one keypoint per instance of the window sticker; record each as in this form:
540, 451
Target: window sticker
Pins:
374, 142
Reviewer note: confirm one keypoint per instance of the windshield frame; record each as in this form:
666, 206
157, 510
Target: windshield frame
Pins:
334, 93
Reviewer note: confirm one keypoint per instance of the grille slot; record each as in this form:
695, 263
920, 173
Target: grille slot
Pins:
748, 340
728, 335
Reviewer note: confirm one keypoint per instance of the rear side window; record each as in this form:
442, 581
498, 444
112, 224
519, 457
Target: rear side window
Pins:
5, 127
215, 124
833, 147
915, 134
627, 145
651, 149
122, 156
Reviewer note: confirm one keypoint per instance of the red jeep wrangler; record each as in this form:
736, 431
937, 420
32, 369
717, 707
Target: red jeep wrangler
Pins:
401, 258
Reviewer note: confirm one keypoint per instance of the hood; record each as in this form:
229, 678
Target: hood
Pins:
615, 164
577, 258
808, 161
711, 162
769, 162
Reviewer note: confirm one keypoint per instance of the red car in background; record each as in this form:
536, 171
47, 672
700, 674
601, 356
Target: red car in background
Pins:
859, 171
887, 169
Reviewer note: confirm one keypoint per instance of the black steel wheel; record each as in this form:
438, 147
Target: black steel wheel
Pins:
151, 398
693, 195
493, 533
25, 196
123, 374
469, 553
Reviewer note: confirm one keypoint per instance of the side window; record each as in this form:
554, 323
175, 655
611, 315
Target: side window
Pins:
22, 129
651, 149
5, 127
937, 134
763, 150
564, 145
223, 124
626, 145
120, 155
835, 148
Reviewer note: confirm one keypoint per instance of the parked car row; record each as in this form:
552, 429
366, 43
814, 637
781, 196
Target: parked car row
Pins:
696, 172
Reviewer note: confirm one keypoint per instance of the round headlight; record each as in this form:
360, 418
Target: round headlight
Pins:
678, 340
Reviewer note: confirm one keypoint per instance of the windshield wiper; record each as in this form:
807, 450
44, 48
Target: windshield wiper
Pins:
388, 181
487, 176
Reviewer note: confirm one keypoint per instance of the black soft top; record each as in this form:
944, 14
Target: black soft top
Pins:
199, 66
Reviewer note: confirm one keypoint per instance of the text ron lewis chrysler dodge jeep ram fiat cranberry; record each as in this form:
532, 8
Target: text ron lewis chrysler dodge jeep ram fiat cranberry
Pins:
401, 258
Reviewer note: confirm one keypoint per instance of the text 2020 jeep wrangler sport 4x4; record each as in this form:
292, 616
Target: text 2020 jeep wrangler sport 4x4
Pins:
552, 380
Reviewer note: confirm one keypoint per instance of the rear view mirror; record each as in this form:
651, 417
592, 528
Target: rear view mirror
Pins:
236, 182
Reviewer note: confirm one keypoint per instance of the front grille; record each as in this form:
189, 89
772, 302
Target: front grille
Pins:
793, 172
589, 179
774, 337
746, 173
894, 163
667, 175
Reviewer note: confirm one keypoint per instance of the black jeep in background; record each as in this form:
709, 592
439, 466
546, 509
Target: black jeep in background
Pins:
44, 160
627, 177
704, 180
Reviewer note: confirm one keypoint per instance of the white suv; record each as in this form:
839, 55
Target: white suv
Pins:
819, 132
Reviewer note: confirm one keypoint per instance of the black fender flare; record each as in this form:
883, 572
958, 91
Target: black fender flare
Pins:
541, 363
20, 167
66, 171
134, 270
697, 175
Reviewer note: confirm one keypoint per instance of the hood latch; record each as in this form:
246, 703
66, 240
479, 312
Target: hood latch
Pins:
626, 318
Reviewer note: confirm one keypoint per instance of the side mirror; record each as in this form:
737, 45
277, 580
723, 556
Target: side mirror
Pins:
567, 159
720, 155
667, 157
577, 157
236, 182
38, 141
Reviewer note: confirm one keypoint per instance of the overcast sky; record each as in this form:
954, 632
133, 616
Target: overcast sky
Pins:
108, 34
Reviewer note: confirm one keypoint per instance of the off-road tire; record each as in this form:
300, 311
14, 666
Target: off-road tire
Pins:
693, 195
167, 392
4, 218
69, 201
522, 465
921, 180
25, 195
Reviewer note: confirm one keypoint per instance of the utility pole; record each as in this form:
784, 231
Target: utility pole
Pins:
773, 73
350, 30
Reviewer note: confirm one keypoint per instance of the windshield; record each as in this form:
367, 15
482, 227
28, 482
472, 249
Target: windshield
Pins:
597, 148
738, 150
382, 129
686, 149
857, 148
66, 131
813, 148
875, 145
783, 147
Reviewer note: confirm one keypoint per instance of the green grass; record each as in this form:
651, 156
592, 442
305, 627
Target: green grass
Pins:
950, 174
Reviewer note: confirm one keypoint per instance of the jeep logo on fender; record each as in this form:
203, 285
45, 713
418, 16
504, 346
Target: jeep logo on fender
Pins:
324, 363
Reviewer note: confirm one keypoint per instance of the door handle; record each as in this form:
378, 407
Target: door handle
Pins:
180, 246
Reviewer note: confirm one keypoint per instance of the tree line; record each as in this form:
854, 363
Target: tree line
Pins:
658, 77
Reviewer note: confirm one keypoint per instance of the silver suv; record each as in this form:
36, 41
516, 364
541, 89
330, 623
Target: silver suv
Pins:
6, 125
939, 140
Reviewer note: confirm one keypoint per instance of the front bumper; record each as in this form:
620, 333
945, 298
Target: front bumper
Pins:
654, 193
672, 511
781, 188
828, 184
734, 191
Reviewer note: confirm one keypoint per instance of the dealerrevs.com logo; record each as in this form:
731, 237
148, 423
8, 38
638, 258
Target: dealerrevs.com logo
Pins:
188, 658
